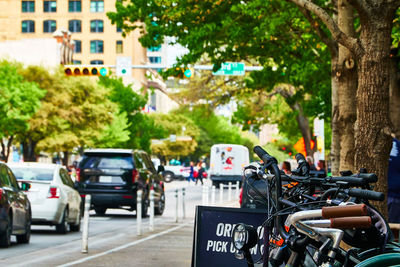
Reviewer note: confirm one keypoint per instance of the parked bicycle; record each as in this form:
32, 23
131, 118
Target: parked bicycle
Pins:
311, 216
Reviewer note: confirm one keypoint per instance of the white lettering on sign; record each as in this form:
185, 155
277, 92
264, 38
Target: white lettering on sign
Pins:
254, 250
233, 249
218, 246
224, 229
220, 229
228, 230
260, 231
209, 244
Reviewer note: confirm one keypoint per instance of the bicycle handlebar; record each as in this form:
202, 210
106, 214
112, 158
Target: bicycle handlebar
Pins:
348, 179
368, 177
344, 211
351, 222
264, 156
366, 194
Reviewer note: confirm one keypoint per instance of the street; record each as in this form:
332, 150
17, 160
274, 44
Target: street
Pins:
116, 230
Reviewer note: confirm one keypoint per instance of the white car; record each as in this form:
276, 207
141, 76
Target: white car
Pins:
52, 195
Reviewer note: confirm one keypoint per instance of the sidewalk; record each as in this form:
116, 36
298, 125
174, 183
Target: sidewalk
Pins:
169, 249
169, 246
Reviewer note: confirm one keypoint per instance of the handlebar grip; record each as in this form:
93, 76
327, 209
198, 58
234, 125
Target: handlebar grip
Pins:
366, 194
348, 179
263, 155
351, 222
368, 177
344, 211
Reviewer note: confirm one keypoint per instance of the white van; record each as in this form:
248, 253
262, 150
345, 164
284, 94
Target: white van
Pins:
227, 162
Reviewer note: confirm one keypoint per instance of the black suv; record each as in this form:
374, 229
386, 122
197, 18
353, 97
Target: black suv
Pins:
113, 176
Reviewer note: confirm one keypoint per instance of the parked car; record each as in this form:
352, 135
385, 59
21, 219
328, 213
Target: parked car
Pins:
15, 209
113, 176
175, 172
52, 195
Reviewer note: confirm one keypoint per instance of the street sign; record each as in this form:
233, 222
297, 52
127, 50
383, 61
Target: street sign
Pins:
124, 66
230, 68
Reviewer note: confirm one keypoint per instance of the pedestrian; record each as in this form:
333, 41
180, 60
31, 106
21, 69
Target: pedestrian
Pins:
321, 166
191, 173
394, 182
286, 167
310, 161
200, 171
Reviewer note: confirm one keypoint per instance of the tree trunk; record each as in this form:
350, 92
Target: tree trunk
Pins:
347, 89
5, 149
373, 140
65, 158
335, 146
28, 150
394, 95
304, 127
302, 121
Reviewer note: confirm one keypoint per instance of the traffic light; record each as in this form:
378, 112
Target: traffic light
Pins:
97, 70
181, 73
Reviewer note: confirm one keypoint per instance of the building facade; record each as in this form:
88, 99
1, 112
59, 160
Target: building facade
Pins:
96, 40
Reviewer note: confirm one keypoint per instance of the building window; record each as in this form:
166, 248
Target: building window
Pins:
96, 6
97, 62
154, 49
119, 29
28, 6
49, 26
75, 26
50, 6
96, 26
119, 47
155, 60
78, 46
75, 6
28, 26
96, 46
77, 62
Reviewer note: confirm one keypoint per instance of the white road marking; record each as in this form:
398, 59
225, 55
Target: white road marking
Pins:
123, 246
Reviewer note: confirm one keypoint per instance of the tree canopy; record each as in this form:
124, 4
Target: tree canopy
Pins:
19, 100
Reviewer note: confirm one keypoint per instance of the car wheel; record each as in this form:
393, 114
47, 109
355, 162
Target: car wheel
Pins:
168, 177
216, 184
161, 206
5, 237
24, 239
100, 211
62, 228
76, 227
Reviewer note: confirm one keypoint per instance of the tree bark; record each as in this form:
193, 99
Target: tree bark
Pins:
65, 158
304, 127
335, 146
347, 89
5, 149
373, 140
28, 150
394, 95
287, 93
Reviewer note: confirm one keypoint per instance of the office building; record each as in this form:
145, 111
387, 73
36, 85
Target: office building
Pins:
96, 40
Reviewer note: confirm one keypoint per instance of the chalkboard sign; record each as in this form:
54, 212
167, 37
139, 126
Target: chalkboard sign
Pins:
212, 242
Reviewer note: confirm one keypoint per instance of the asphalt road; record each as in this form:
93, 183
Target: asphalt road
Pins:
117, 231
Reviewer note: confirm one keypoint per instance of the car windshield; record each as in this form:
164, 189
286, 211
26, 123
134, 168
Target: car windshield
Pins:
107, 161
33, 174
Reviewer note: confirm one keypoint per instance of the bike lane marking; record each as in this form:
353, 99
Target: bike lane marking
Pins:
131, 244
